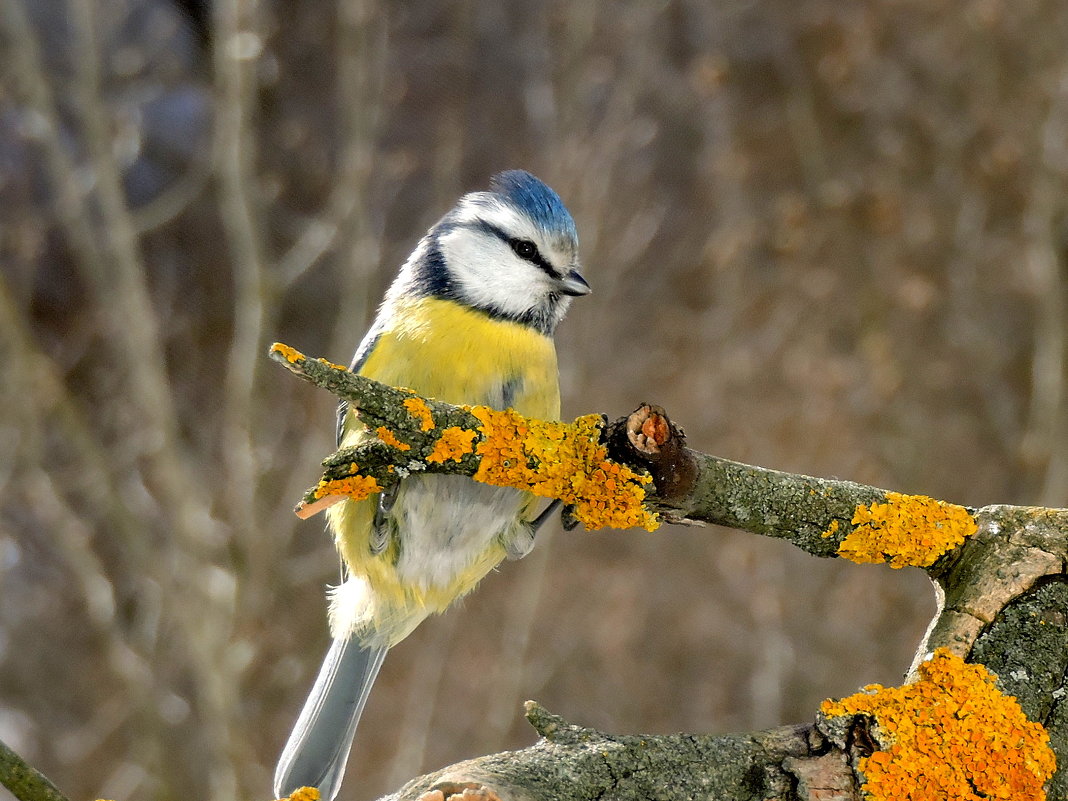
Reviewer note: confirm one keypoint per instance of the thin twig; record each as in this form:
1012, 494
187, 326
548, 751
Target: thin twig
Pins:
120, 279
235, 56
175, 199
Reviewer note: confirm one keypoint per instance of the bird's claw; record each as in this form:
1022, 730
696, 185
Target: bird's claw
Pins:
380, 526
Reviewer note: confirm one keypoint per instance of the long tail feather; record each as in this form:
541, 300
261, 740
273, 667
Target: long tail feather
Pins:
318, 748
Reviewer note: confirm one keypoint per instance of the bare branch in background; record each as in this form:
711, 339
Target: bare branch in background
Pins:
120, 278
175, 200
237, 48
345, 223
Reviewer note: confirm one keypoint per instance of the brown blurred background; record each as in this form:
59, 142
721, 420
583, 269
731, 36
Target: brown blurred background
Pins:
829, 237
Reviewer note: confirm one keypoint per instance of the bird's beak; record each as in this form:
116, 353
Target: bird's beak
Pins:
574, 284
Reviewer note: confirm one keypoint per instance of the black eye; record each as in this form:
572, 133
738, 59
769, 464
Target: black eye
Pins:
524, 249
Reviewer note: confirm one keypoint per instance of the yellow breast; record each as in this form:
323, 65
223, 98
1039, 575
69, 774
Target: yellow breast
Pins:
459, 355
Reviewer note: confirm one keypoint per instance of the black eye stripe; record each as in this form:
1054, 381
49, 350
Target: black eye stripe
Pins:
516, 244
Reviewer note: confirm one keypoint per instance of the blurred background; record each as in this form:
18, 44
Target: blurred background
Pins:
828, 237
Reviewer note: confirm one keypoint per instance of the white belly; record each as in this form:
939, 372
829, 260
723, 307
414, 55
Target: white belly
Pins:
444, 523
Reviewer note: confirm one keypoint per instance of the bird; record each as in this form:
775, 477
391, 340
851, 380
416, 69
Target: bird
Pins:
469, 319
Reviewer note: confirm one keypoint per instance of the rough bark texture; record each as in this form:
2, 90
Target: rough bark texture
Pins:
1013, 548
571, 763
1027, 647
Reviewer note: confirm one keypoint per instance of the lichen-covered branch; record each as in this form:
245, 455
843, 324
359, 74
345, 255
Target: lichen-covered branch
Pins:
826, 517
979, 560
412, 434
639, 469
1014, 548
25, 782
823, 516
998, 573
953, 734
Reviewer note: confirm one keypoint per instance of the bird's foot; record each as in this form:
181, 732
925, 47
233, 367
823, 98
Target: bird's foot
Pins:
380, 527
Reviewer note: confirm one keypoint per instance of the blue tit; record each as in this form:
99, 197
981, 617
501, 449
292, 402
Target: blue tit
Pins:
468, 320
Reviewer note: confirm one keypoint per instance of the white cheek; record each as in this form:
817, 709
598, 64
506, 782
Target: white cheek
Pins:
490, 274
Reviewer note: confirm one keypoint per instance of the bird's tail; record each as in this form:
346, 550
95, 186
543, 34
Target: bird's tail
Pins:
318, 748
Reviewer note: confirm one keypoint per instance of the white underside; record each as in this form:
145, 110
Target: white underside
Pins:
448, 522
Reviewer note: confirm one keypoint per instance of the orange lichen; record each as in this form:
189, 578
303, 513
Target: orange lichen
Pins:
950, 736
389, 438
562, 460
291, 355
303, 794
332, 364
547, 458
418, 409
356, 487
907, 530
454, 443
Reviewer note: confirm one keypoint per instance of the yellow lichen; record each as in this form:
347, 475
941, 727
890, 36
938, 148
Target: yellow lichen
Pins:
907, 530
950, 736
389, 438
332, 364
303, 794
356, 487
454, 443
547, 458
832, 529
418, 409
562, 460
291, 355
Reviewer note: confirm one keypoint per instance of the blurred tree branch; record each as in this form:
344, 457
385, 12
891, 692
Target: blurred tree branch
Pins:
858, 212
88, 193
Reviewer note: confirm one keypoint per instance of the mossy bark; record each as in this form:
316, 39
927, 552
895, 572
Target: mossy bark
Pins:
1027, 647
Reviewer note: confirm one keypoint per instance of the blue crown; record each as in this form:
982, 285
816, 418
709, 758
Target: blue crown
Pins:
536, 200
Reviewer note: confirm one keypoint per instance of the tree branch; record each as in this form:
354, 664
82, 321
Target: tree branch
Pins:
980, 560
573, 762
999, 563
26, 783
815, 514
